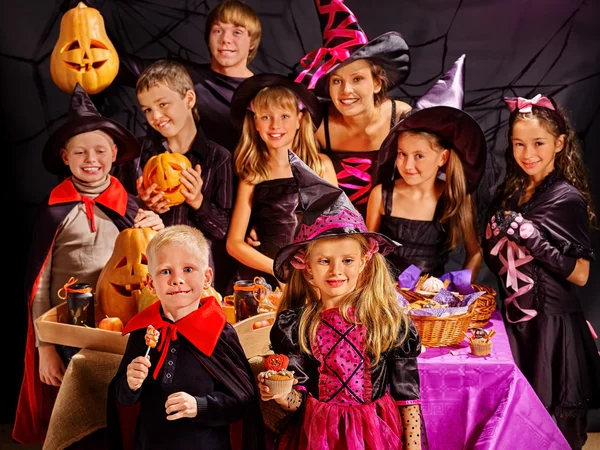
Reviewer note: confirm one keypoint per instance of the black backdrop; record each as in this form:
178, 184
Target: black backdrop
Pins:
513, 47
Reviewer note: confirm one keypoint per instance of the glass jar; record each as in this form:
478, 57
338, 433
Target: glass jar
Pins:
246, 305
80, 305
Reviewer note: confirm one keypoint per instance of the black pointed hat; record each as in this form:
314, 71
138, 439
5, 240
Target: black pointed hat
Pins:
325, 211
83, 117
344, 42
248, 89
439, 111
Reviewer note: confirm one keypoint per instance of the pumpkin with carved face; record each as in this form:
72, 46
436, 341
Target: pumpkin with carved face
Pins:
122, 279
276, 362
83, 52
165, 170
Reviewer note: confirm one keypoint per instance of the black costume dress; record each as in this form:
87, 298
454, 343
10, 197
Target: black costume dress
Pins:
550, 340
355, 171
273, 214
424, 242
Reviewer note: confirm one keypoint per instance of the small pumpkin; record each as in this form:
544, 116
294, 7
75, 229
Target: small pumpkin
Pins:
276, 362
165, 170
83, 52
123, 277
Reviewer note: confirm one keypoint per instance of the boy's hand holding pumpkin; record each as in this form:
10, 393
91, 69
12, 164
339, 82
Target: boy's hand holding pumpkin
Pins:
191, 179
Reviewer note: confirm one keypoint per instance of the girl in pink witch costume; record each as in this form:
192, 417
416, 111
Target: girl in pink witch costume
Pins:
351, 348
538, 243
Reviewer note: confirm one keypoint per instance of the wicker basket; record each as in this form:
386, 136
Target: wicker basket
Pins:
483, 307
441, 331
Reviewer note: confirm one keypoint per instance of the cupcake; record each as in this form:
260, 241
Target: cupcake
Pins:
277, 377
480, 346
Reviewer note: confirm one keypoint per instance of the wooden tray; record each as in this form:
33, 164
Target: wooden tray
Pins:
52, 328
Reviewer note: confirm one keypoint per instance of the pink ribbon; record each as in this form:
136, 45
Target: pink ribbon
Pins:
509, 266
339, 53
372, 247
524, 105
359, 171
298, 261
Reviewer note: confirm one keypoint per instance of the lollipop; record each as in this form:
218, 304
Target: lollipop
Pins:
152, 335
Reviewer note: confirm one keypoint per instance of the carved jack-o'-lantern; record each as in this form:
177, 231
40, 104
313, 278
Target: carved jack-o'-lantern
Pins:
124, 276
165, 170
83, 53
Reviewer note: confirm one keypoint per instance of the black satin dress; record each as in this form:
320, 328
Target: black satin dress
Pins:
555, 349
274, 217
424, 242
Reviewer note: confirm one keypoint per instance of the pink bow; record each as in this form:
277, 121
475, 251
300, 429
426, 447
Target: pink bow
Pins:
298, 261
524, 104
372, 247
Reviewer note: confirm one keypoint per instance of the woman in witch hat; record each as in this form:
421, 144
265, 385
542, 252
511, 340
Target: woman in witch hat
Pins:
353, 74
430, 164
275, 114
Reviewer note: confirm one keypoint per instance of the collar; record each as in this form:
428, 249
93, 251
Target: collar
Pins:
114, 197
202, 328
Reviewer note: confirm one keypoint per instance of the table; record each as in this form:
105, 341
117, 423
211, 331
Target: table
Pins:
483, 403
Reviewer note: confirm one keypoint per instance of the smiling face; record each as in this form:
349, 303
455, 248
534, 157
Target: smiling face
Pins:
277, 126
178, 277
535, 148
90, 155
166, 110
229, 48
352, 88
335, 265
419, 158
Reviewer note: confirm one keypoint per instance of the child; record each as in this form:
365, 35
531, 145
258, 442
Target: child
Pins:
430, 216
196, 382
354, 76
166, 95
74, 236
277, 114
538, 234
352, 349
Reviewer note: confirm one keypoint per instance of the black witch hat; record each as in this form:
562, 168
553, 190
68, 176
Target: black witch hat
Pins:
83, 117
439, 111
344, 42
325, 211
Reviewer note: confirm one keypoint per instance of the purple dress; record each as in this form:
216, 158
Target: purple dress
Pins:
348, 403
549, 337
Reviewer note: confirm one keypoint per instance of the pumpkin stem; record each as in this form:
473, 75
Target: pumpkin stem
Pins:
81, 5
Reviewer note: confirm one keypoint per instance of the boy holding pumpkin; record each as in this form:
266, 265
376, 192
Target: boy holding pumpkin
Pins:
74, 235
197, 381
167, 99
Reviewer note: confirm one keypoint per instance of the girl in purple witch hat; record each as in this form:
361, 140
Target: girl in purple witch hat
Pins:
353, 74
538, 243
412, 203
352, 349
275, 114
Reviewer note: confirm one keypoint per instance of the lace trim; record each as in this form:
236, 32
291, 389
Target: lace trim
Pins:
547, 182
576, 250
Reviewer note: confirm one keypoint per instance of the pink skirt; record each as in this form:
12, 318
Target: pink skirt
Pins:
325, 426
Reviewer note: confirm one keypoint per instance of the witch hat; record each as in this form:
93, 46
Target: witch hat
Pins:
439, 111
344, 42
326, 211
83, 117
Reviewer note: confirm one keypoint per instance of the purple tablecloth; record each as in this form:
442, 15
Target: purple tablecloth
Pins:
483, 403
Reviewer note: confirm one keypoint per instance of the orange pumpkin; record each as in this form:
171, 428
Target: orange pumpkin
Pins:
165, 170
123, 277
83, 52
276, 362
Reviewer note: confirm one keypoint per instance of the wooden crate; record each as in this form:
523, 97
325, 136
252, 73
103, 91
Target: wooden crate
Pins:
52, 328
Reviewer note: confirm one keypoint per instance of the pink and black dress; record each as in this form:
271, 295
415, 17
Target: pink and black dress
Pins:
355, 171
348, 403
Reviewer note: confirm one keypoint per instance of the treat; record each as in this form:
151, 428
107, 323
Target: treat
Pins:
277, 377
432, 284
151, 337
480, 341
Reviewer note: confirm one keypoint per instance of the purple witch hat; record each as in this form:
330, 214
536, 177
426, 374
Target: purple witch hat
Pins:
83, 117
344, 41
326, 212
439, 111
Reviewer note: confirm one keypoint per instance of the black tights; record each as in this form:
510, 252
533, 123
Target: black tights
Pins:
574, 430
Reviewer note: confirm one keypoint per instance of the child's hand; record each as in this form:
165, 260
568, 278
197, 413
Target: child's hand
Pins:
137, 371
264, 391
192, 186
156, 202
52, 368
252, 238
148, 219
181, 404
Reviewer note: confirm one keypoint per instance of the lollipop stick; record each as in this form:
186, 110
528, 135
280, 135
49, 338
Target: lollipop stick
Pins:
147, 352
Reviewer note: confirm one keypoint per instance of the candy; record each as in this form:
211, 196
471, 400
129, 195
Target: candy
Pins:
151, 337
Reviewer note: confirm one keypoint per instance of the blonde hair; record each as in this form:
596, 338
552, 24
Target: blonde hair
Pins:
173, 75
459, 216
374, 302
239, 14
183, 235
251, 157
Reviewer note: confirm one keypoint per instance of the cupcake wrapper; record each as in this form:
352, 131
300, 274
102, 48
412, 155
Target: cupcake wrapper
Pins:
279, 387
481, 349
